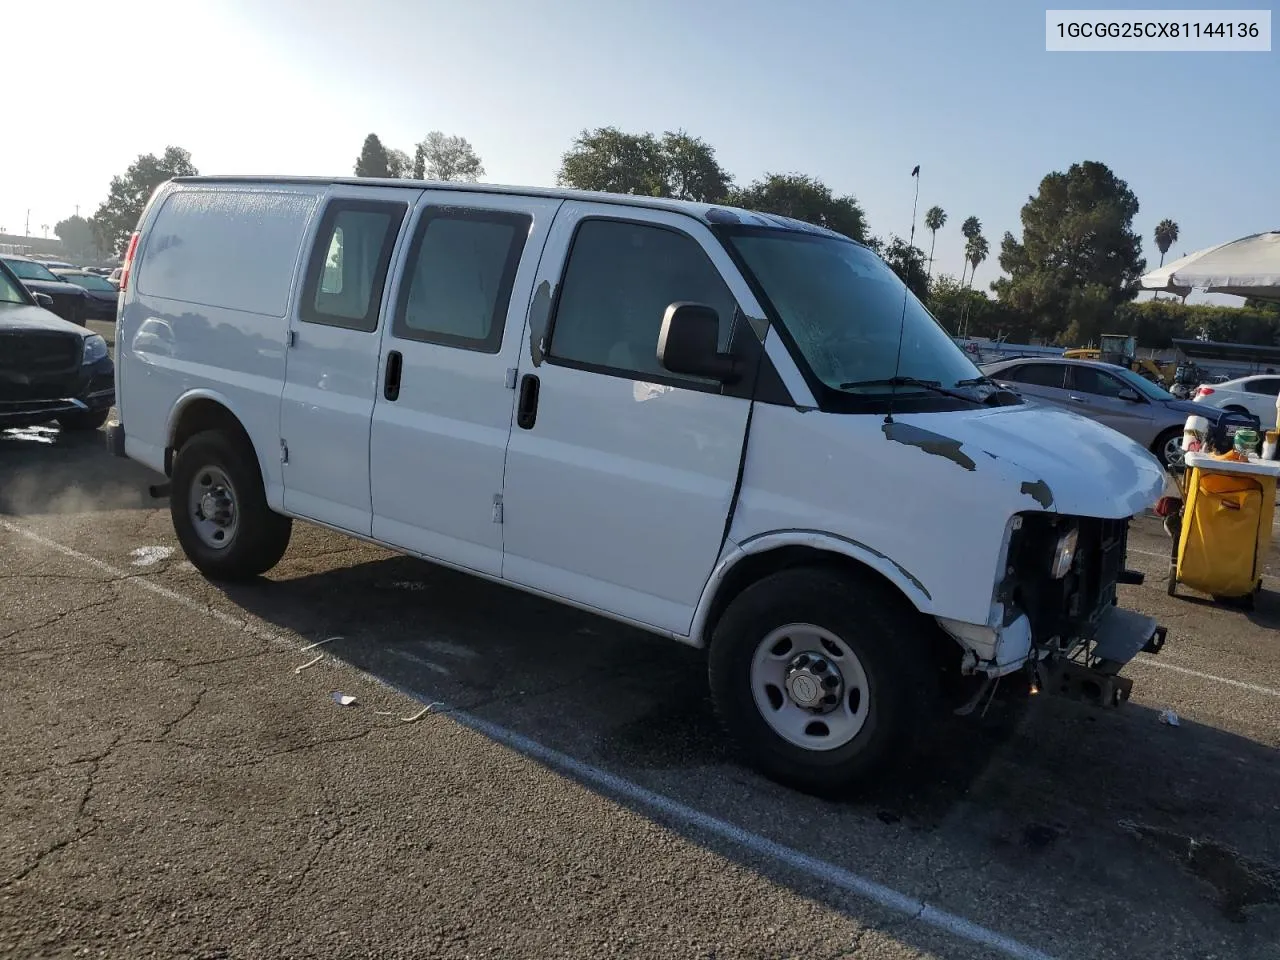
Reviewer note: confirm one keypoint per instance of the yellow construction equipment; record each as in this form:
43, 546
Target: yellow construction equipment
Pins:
1123, 352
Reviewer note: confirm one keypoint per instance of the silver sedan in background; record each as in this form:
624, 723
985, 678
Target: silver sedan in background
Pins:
1111, 395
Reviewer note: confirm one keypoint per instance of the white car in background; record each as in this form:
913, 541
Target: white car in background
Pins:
1254, 394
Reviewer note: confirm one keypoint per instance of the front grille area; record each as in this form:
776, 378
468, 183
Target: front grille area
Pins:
36, 352
1069, 608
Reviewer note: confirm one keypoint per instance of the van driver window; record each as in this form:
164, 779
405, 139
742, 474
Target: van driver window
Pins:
620, 279
458, 278
349, 264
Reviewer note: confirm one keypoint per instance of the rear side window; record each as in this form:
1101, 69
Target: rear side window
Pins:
1267, 386
348, 267
233, 249
620, 279
1036, 375
458, 280
1095, 381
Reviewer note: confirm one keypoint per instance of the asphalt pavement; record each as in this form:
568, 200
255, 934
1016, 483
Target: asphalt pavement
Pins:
515, 778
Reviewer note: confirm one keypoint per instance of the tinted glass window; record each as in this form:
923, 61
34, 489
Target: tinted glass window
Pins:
619, 282
348, 267
1096, 382
10, 290
1036, 374
461, 268
89, 281
1268, 386
30, 270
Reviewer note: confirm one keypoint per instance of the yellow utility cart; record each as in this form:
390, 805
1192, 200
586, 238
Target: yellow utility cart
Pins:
1228, 507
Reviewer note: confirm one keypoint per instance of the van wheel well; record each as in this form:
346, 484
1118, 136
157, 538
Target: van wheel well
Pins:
198, 416
945, 650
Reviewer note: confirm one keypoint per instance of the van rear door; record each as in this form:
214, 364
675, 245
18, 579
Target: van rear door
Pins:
451, 341
332, 371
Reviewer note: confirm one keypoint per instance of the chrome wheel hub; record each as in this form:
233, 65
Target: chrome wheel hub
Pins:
810, 687
814, 683
214, 513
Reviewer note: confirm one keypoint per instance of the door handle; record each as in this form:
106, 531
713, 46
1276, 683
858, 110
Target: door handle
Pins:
391, 384
1077, 399
527, 411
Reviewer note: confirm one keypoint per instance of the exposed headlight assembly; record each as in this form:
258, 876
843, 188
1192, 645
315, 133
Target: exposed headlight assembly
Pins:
95, 348
1064, 553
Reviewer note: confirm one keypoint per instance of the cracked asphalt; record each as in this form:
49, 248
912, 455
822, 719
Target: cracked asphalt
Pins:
180, 782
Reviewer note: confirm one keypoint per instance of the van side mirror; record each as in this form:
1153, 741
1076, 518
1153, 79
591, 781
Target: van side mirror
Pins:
689, 343
44, 300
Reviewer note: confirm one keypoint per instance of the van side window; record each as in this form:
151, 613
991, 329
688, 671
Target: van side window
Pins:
458, 278
348, 267
619, 281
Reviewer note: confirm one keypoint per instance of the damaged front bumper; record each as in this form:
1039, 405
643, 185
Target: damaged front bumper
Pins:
1086, 670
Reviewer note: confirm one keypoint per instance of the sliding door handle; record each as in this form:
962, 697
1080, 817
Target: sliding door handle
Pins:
391, 382
527, 411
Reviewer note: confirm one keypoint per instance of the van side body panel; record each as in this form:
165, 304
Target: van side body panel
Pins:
206, 312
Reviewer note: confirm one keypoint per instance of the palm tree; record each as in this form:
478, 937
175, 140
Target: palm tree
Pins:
935, 219
975, 251
972, 227
1166, 237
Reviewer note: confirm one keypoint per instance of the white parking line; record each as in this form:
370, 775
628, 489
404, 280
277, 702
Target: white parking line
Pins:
822, 870
1240, 684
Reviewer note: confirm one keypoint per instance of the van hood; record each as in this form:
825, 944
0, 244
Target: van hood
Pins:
1062, 461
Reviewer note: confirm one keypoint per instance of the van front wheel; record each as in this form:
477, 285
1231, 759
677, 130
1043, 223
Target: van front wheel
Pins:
219, 509
819, 680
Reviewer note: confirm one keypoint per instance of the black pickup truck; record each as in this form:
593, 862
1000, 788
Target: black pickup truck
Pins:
50, 369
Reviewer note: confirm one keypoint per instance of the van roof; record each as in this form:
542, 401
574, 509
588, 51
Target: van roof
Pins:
709, 213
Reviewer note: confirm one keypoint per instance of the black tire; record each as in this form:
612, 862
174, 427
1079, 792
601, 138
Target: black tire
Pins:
890, 640
261, 535
88, 420
1161, 442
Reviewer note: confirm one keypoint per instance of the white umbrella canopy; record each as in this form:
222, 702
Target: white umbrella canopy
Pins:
1248, 267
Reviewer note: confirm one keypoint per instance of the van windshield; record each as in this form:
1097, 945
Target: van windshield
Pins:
843, 306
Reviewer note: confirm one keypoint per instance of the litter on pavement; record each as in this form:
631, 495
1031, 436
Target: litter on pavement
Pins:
343, 699
1169, 717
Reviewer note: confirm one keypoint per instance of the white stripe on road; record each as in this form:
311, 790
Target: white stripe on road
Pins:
1240, 684
829, 873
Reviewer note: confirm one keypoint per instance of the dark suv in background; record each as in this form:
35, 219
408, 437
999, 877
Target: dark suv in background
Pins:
70, 302
50, 369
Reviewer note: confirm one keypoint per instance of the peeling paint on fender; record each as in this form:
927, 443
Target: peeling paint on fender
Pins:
539, 313
929, 442
1040, 492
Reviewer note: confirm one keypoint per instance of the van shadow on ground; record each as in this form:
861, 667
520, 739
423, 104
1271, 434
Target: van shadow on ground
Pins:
1048, 795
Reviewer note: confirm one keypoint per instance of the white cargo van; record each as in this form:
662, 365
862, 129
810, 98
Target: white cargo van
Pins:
735, 430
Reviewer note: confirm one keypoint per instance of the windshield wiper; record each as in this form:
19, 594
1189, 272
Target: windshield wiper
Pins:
974, 381
932, 386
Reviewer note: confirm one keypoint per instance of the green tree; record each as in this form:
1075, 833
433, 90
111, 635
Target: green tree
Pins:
399, 166
373, 160
1166, 237
961, 308
803, 198
1077, 239
908, 262
971, 228
674, 165
691, 170
935, 218
76, 234
1262, 306
975, 251
449, 158
118, 215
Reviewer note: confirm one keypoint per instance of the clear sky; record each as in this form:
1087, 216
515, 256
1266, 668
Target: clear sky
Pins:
853, 92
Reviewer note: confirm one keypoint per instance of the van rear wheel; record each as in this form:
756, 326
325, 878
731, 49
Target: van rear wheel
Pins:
819, 680
219, 509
